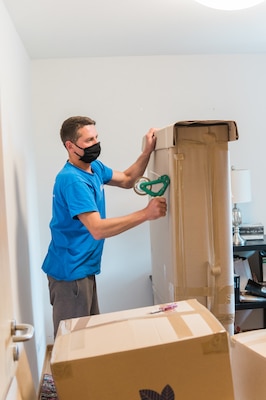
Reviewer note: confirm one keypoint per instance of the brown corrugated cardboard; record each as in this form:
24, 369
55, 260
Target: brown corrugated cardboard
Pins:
191, 247
248, 360
138, 355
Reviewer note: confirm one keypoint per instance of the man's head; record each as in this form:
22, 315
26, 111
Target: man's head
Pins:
80, 138
70, 127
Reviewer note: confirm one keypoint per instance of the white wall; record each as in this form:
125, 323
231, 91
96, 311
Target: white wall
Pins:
19, 164
127, 96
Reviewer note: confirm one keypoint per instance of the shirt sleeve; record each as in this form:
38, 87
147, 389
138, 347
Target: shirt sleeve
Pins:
80, 198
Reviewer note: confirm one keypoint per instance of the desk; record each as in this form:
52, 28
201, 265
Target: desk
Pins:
252, 245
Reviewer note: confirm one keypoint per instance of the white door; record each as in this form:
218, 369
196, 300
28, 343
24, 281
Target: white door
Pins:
11, 352
7, 363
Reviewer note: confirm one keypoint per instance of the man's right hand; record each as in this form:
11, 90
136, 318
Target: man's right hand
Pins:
156, 208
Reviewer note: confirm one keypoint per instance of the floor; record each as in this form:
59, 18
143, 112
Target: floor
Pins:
46, 368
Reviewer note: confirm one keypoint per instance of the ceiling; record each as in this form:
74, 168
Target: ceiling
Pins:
107, 28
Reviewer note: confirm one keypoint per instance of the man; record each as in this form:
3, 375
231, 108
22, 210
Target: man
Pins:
79, 224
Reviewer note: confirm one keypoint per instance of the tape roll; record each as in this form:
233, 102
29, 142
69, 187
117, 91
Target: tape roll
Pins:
137, 183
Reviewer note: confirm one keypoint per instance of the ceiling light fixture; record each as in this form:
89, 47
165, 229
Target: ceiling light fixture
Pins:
229, 4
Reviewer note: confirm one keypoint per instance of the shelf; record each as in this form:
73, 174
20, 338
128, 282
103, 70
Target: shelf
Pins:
252, 245
255, 245
250, 305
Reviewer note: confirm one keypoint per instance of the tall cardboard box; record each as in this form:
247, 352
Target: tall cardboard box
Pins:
143, 354
248, 360
191, 247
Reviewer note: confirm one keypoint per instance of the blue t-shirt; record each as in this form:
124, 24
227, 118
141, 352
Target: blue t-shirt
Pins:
73, 252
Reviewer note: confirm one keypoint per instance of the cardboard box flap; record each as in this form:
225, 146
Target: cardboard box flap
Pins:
168, 137
232, 126
141, 328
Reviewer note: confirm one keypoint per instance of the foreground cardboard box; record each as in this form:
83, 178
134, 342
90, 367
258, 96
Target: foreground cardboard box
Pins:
140, 355
248, 355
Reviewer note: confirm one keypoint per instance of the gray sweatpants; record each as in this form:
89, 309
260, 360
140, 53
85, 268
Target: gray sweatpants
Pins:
73, 299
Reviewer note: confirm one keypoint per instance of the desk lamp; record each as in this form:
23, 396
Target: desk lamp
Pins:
241, 193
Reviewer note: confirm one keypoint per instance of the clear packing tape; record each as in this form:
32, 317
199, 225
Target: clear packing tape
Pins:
223, 298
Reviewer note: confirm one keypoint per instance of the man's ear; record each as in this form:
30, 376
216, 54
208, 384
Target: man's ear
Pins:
68, 145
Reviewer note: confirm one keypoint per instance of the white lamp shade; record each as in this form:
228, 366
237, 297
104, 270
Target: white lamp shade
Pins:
229, 4
240, 186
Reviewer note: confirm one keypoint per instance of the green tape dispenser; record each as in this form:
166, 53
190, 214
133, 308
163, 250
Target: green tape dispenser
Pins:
144, 185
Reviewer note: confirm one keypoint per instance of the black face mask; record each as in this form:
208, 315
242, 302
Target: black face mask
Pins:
91, 153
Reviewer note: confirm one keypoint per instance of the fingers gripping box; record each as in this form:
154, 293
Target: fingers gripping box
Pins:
143, 354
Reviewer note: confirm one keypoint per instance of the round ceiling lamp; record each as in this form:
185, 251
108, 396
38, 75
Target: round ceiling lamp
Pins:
229, 4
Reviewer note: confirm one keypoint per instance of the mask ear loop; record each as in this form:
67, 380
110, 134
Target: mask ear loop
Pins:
81, 148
